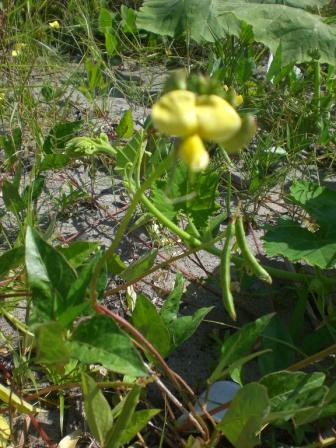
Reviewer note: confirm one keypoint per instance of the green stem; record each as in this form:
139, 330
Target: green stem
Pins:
124, 223
317, 92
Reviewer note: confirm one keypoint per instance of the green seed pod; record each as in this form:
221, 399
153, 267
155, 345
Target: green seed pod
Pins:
225, 273
243, 136
251, 260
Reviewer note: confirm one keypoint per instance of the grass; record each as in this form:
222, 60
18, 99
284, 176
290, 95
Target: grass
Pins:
60, 292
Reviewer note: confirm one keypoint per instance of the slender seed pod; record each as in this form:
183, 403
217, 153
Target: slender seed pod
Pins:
225, 273
253, 263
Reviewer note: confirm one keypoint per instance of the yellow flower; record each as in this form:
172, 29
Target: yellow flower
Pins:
192, 151
195, 117
18, 49
55, 25
182, 113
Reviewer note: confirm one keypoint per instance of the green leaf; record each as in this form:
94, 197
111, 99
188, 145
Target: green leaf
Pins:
148, 321
115, 436
34, 190
59, 135
11, 198
192, 196
54, 162
128, 16
277, 339
297, 31
180, 328
51, 347
105, 21
138, 422
140, 266
125, 127
318, 201
171, 305
115, 265
76, 299
111, 43
245, 415
292, 241
292, 393
11, 145
127, 156
240, 344
11, 260
175, 17
97, 410
100, 340
78, 251
49, 275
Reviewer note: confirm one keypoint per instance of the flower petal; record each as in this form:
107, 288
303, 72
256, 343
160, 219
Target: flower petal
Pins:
192, 151
217, 119
175, 113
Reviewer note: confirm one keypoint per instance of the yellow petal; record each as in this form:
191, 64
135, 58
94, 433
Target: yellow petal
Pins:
175, 113
55, 25
243, 136
15, 53
193, 153
217, 119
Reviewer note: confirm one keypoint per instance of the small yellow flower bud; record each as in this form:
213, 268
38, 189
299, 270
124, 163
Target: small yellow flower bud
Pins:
55, 25
15, 54
217, 119
192, 151
175, 113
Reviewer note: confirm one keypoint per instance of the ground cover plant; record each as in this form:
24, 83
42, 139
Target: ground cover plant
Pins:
168, 243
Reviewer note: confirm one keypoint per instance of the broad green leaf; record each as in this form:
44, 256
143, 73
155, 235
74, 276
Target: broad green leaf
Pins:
51, 346
11, 260
105, 20
128, 16
11, 145
97, 410
192, 196
294, 393
34, 190
11, 197
240, 344
115, 435
127, 156
303, 4
294, 242
297, 31
184, 327
49, 275
140, 266
277, 339
138, 422
171, 305
197, 18
149, 322
59, 135
78, 251
54, 161
125, 127
115, 265
100, 340
318, 201
111, 43
245, 416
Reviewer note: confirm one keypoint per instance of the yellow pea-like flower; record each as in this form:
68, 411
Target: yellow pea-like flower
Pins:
175, 113
55, 25
217, 119
192, 151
